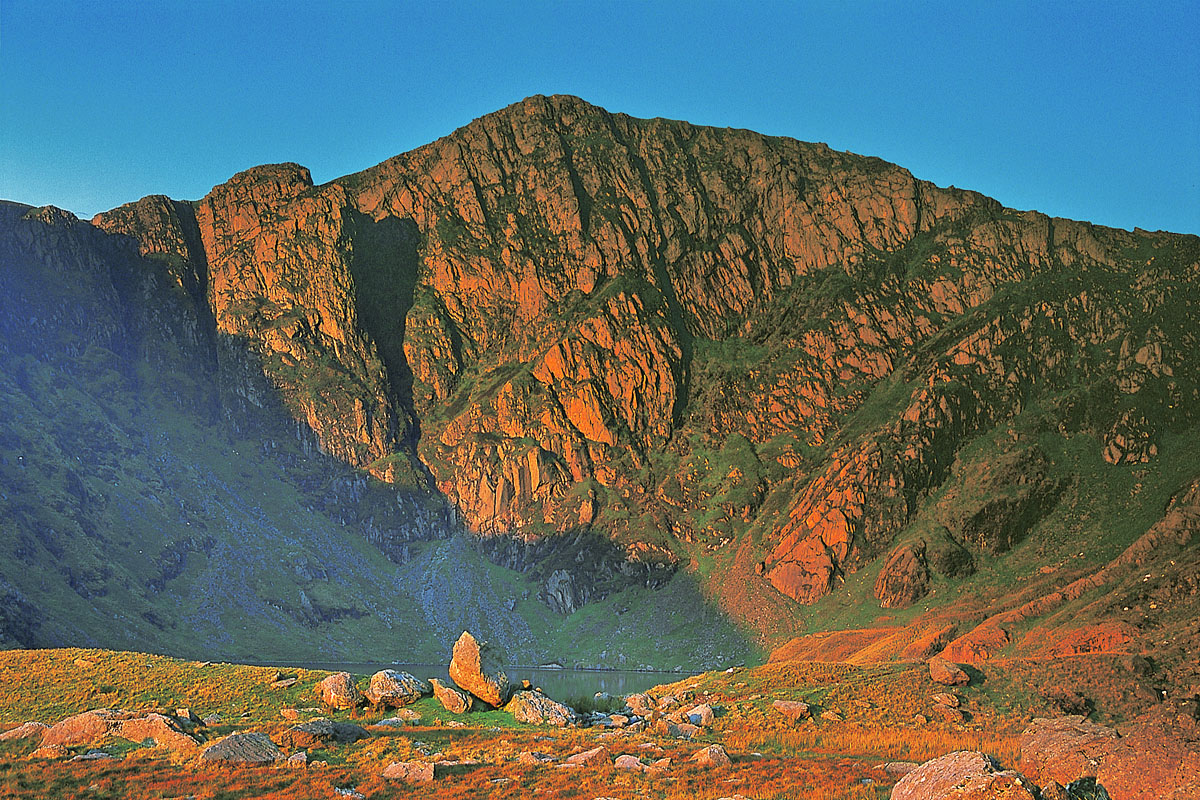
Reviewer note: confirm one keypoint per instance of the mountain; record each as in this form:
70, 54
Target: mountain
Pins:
679, 384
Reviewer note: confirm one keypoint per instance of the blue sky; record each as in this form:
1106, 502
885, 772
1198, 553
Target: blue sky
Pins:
1083, 110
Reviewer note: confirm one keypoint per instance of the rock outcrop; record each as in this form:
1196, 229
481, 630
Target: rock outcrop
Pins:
965, 775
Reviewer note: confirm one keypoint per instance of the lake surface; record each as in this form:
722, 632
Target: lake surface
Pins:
561, 684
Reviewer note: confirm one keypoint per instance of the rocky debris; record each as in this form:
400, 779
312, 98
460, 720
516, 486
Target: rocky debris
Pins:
50, 751
962, 774
393, 689
597, 755
533, 758
319, 732
701, 715
794, 710
251, 747
453, 700
410, 771
476, 668
26, 730
641, 704
534, 708
947, 673
712, 756
904, 578
339, 691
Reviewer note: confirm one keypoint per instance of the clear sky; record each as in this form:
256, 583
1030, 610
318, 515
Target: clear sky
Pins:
1088, 110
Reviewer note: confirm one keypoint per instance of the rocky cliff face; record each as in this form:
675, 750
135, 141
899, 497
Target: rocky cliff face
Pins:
710, 346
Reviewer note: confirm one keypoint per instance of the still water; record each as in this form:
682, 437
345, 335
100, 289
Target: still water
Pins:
561, 684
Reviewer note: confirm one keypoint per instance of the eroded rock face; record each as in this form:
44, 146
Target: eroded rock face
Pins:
904, 578
477, 668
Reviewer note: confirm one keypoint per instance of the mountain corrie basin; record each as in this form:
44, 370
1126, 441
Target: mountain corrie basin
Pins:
861, 730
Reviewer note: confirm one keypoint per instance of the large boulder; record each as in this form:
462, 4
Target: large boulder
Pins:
947, 673
477, 668
453, 700
319, 732
242, 748
1158, 757
93, 727
535, 708
339, 691
962, 775
395, 689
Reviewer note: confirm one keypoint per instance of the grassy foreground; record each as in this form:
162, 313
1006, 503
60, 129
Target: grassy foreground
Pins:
876, 714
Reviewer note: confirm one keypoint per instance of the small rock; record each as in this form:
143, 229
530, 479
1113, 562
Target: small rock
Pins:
947, 673
188, 716
298, 760
339, 691
946, 699
701, 715
831, 716
1054, 791
898, 769
95, 755
289, 713
284, 683
533, 758
792, 709
640, 704
596, 755
712, 756
411, 771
